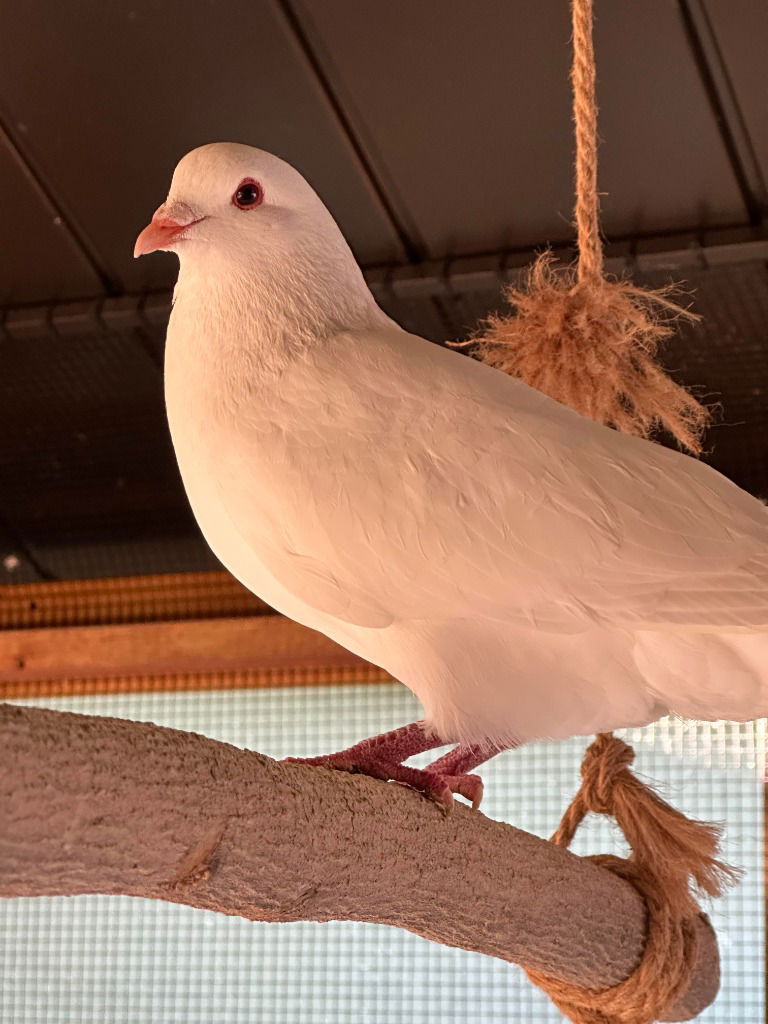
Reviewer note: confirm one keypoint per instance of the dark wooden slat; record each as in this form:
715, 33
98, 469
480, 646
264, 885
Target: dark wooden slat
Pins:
468, 110
725, 105
153, 81
122, 600
741, 37
40, 258
202, 646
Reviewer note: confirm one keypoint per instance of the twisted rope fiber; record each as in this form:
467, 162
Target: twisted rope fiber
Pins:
669, 851
610, 331
587, 341
590, 265
590, 343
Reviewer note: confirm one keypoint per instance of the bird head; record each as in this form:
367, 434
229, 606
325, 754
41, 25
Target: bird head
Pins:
252, 236
227, 198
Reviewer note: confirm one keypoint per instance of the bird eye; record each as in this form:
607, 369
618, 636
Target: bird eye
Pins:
248, 194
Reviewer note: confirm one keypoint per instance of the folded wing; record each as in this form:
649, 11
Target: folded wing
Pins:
413, 482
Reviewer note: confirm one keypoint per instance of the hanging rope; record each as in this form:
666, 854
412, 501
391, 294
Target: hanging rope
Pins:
590, 265
669, 854
582, 339
590, 343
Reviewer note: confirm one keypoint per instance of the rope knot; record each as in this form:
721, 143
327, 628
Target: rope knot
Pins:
671, 854
604, 769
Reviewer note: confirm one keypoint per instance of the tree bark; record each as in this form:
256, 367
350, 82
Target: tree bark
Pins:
100, 805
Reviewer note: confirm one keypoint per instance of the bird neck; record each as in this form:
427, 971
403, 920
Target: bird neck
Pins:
272, 306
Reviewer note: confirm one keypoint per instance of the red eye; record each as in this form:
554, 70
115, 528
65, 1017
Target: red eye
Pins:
248, 194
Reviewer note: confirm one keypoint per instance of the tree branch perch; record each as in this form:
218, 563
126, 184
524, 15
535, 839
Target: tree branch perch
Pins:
100, 805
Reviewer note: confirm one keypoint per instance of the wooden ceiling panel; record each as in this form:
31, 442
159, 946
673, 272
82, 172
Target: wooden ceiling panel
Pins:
113, 94
39, 255
466, 112
741, 31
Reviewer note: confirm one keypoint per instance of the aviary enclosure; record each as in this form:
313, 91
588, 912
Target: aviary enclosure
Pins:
385, 578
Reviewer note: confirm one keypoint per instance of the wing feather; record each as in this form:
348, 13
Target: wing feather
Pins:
437, 486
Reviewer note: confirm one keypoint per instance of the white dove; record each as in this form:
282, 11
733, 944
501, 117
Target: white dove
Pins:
526, 572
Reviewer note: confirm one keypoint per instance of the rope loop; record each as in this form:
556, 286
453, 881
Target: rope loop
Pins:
659, 981
670, 854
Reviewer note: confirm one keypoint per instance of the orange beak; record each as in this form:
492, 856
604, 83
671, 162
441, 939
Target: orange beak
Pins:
160, 233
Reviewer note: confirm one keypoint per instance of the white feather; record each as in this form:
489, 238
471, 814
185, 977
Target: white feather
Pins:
526, 572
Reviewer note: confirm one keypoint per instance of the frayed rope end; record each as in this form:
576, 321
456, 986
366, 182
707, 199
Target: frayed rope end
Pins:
679, 852
591, 345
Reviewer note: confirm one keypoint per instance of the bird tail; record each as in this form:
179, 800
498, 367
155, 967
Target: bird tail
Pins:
707, 674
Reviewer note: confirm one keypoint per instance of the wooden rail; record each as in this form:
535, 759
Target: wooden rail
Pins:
186, 631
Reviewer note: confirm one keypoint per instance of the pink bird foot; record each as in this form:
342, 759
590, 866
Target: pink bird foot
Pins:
381, 757
438, 786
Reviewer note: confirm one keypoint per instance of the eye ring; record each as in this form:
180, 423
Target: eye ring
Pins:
248, 195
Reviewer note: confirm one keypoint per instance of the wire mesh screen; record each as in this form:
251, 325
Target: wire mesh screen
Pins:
95, 959
88, 481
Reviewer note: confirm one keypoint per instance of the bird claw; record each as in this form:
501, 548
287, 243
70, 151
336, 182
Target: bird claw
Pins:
436, 786
441, 789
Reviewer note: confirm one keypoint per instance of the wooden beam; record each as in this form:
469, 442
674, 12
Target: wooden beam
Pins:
266, 642
183, 595
180, 631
